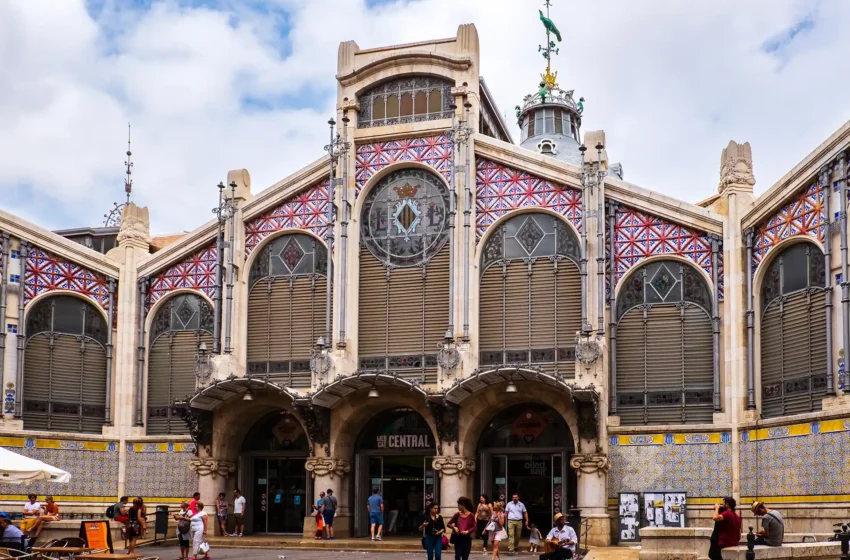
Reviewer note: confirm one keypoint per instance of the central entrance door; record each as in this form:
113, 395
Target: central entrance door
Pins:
395, 452
273, 477
525, 450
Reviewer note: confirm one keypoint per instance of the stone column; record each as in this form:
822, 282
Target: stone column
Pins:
456, 474
591, 470
333, 473
212, 480
736, 187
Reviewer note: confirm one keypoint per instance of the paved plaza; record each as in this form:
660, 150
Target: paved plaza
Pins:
173, 553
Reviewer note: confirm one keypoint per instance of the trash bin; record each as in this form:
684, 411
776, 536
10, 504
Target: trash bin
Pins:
161, 523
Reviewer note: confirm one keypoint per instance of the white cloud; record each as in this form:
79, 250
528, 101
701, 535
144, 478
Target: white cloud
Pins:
670, 83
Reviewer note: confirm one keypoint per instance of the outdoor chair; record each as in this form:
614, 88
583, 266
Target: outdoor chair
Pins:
70, 541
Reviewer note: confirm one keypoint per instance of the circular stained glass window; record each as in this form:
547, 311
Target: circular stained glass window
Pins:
405, 217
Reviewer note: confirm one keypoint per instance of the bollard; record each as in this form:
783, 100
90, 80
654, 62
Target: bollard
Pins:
844, 537
751, 543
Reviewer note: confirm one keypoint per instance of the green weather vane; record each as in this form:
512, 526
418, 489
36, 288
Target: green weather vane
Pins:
549, 78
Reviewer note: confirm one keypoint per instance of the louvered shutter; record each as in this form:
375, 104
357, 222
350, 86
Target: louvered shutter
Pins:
280, 317
568, 305
698, 340
491, 321
259, 327
159, 389
631, 367
66, 384
802, 324
436, 306
37, 367
517, 323
306, 298
94, 387
543, 309
771, 360
372, 312
664, 359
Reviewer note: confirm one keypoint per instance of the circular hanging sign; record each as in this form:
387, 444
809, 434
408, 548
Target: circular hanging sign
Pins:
405, 217
529, 425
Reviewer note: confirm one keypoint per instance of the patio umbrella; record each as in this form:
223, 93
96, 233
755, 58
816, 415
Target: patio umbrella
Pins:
17, 469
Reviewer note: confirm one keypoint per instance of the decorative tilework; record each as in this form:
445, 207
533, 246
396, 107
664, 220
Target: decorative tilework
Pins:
196, 272
802, 216
702, 470
435, 151
12, 329
161, 474
47, 272
639, 235
9, 399
93, 473
306, 210
500, 189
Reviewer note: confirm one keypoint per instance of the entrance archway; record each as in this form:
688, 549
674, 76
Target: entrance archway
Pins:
394, 453
525, 449
278, 489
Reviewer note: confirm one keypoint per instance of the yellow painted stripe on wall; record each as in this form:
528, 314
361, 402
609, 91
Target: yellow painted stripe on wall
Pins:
12, 441
688, 439
90, 499
837, 425
781, 431
799, 499
641, 439
70, 444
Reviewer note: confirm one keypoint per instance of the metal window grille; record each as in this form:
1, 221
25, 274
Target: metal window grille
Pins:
406, 100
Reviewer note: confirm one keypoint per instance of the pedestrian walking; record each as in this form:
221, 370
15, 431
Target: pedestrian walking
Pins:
198, 531
517, 518
375, 507
462, 526
533, 538
433, 529
134, 525
329, 505
483, 513
496, 528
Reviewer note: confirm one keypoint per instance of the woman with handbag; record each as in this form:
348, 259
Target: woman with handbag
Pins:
496, 528
462, 526
199, 533
433, 529
134, 525
482, 516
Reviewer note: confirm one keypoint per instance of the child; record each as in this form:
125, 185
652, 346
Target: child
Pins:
533, 537
320, 523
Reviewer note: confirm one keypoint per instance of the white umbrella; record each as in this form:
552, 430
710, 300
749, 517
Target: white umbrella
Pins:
17, 469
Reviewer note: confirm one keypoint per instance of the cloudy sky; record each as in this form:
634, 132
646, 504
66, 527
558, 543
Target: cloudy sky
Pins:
212, 85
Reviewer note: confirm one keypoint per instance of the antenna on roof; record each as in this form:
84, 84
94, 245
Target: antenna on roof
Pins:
128, 182
115, 216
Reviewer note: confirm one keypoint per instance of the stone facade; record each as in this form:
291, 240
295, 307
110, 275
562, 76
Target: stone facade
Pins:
728, 240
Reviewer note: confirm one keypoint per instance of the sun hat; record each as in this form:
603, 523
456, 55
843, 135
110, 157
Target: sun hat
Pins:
558, 516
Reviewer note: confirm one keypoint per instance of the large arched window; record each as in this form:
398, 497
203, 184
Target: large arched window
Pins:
178, 329
286, 308
65, 366
530, 296
404, 274
793, 332
664, 346
406, 100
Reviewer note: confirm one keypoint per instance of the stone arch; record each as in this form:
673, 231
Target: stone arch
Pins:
31, 304
763, 266
377, 177
513, 213
664, 257
249, 262
151, 313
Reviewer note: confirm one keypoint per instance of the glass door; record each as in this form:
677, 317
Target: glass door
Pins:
499, 479
260, 486
280, 495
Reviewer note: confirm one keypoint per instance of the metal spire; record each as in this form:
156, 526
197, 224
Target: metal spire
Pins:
128, 182
114, 217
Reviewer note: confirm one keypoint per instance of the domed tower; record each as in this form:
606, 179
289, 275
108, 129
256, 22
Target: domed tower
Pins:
550, 119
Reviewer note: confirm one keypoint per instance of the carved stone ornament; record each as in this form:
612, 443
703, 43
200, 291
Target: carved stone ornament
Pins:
350, 104
135, 226
590, 463
587, 351
327, 466
212, 467
451, 465
459, 90
736, 165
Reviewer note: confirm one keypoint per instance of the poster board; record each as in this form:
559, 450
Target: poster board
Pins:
664, 508
629, 517
96, 534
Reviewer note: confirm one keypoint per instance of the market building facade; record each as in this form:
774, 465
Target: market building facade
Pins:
434, 310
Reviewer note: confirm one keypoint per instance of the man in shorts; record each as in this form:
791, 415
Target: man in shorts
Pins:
329, 504
238, 513
375, 506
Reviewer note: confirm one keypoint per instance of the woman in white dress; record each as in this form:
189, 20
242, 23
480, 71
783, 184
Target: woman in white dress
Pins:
198, 531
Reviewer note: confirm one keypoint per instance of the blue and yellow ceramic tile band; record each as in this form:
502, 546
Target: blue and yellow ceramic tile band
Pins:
746, 500
794, 430
69, 444
671, 439
91, 499
150, 447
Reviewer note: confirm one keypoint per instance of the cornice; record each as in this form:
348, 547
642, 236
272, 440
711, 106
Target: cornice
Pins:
797, 178
58, 245
305, 177
179, 249
411, 57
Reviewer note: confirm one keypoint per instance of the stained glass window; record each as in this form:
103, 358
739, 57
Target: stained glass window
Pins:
419, 98
405, 218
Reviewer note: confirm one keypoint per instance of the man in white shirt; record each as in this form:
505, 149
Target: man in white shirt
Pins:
564, 537
31, 512
238, 513
517, 518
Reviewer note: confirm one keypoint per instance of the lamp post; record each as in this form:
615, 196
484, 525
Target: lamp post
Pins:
203, 363
224, 212
320, 359
448, 356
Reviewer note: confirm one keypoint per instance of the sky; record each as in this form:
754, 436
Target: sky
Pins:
214, 85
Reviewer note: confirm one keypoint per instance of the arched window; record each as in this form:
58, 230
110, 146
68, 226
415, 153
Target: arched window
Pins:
286, 308
406, 100
178, 329
530, 296
664, 346
404, 274
65, 366
793, 332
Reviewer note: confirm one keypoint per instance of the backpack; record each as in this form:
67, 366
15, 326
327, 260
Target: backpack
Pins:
183, 526
110, 512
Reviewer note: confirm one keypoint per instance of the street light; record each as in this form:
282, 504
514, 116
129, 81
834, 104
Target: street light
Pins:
203, 363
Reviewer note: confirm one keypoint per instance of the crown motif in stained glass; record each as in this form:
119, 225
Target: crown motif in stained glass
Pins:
407, 191
663, 282
529, 235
